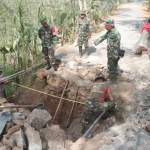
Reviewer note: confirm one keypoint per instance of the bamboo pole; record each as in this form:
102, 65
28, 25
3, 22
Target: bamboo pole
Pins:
60, 101
68, 121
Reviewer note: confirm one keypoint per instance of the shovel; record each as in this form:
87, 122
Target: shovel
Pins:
39, 106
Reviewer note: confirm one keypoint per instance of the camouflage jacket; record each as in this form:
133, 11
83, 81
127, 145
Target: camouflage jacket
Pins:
45, 34
113, 43
84, 27
97, 91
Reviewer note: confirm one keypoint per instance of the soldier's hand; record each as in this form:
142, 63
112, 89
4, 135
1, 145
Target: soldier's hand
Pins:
91, 43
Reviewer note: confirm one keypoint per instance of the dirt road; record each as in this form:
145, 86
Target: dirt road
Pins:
125, 21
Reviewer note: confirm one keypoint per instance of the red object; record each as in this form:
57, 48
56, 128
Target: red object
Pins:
53, 31
104, 95
146, 27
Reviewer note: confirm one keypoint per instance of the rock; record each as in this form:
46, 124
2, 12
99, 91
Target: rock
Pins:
115, 146
17, 148
5, 148
14, 129
142, 141
18, 122
42, 73
91, 76
2, 100
79, 144
38, 118
130, 145
18, 116
9, 142
19, 138
26, 113
55, 137
33, 138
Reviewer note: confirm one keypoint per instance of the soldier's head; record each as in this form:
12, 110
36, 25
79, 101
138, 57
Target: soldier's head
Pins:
43, 22
100, 78
110, 24
83, 13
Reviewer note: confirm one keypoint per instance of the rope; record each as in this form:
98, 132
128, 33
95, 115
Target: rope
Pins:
47, 93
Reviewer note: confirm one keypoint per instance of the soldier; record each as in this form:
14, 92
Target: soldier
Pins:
113, 45
2, 86
83, 32
96, 101
46, 36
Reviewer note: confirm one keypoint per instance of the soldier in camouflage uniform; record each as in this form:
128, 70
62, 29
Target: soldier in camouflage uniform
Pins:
83, 32
113, 45
46, 36
96, 101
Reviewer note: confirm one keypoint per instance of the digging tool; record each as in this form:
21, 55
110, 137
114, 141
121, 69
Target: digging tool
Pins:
94, 123
39, 106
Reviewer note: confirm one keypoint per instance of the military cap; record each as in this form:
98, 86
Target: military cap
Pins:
110, 22
83, 12
100, 77
43, 20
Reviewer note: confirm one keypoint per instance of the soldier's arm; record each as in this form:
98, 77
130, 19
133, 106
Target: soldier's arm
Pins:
101, 38
110, 94
116, 45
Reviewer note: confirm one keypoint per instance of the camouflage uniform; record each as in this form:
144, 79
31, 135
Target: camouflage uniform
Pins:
113, 45
45, 34
84, 30
95, 103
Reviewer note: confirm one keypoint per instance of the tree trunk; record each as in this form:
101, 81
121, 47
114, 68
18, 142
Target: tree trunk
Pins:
85, 4
80, 4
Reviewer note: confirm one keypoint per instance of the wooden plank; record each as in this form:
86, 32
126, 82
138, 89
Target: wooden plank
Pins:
60, 101
70, 115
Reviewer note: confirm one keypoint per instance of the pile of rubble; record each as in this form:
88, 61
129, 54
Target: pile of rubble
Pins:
22, 129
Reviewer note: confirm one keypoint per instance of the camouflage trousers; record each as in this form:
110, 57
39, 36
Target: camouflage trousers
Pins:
92, 108
83, 40
49, 54
112, 66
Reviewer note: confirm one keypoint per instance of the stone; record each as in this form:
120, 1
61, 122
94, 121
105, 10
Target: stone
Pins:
18, 116
19, 138
130, 145
115, 146
18, 122
17, 148
142, 141
2, 100
33, 138
14, 129
91, 76
9, 142
5, 148
26, 113
38, 118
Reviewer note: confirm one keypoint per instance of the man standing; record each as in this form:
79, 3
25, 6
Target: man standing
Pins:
96, 101
46, 36
2, 86
113, 45
83, 32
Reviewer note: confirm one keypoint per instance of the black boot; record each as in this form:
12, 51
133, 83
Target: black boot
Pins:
87, 51
55, 67
48, 65
80, 51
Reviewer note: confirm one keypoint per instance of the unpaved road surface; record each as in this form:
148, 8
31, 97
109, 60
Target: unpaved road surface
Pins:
125, 21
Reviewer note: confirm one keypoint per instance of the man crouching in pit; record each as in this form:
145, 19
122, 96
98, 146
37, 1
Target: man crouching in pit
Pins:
96, 101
